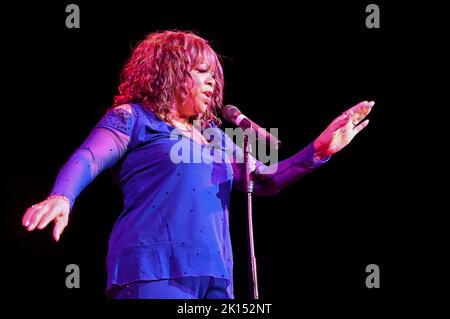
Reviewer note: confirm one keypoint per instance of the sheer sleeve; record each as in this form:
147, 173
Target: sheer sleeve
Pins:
269, 180
106, 144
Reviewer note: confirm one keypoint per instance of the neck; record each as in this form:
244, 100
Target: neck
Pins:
180, 118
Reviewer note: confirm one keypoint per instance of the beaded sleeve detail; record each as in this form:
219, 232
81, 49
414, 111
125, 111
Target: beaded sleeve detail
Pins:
119, 119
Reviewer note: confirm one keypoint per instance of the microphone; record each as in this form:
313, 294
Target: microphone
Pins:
232, 114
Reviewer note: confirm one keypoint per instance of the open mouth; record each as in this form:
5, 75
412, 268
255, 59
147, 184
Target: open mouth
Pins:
208, 94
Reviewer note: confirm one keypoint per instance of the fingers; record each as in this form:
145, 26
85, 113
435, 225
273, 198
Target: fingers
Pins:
340, 121
26, 217
354, 109
40, 215
355, 114
360, 107
359, 111
47, 218
365, 108
33, 216
363, 112
60, 224
361, 126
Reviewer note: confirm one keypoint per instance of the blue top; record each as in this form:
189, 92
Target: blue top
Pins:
175, 217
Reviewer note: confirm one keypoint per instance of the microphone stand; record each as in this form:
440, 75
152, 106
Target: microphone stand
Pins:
253, 280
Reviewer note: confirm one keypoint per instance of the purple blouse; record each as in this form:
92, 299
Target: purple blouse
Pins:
176, 194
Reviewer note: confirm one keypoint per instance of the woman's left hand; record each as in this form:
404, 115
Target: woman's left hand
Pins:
342, 130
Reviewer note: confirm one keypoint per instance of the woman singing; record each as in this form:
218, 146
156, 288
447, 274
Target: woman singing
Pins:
172, 238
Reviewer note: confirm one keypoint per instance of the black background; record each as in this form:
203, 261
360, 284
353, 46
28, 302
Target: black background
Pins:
290, 66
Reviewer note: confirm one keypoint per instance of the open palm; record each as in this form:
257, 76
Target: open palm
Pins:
343, 129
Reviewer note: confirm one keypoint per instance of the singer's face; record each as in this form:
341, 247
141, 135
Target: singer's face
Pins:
201, 93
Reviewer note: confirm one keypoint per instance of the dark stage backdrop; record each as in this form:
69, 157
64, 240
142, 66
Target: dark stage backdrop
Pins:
294, 67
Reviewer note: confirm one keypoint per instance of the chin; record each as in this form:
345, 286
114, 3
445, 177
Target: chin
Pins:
201, 109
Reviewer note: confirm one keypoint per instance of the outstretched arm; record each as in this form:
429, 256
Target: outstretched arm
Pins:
104, 146
271, 179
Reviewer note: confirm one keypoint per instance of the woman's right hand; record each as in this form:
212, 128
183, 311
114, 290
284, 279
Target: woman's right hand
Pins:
55, 208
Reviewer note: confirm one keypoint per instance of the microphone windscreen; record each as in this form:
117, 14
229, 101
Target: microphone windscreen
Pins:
230, 113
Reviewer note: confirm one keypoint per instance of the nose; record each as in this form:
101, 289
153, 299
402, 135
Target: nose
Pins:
210, 80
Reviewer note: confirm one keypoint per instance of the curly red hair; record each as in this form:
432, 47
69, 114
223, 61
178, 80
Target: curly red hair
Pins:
158, 69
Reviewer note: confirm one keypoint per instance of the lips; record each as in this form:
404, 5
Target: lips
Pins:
208, 93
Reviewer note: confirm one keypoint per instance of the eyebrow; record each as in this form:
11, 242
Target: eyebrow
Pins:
206, 60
